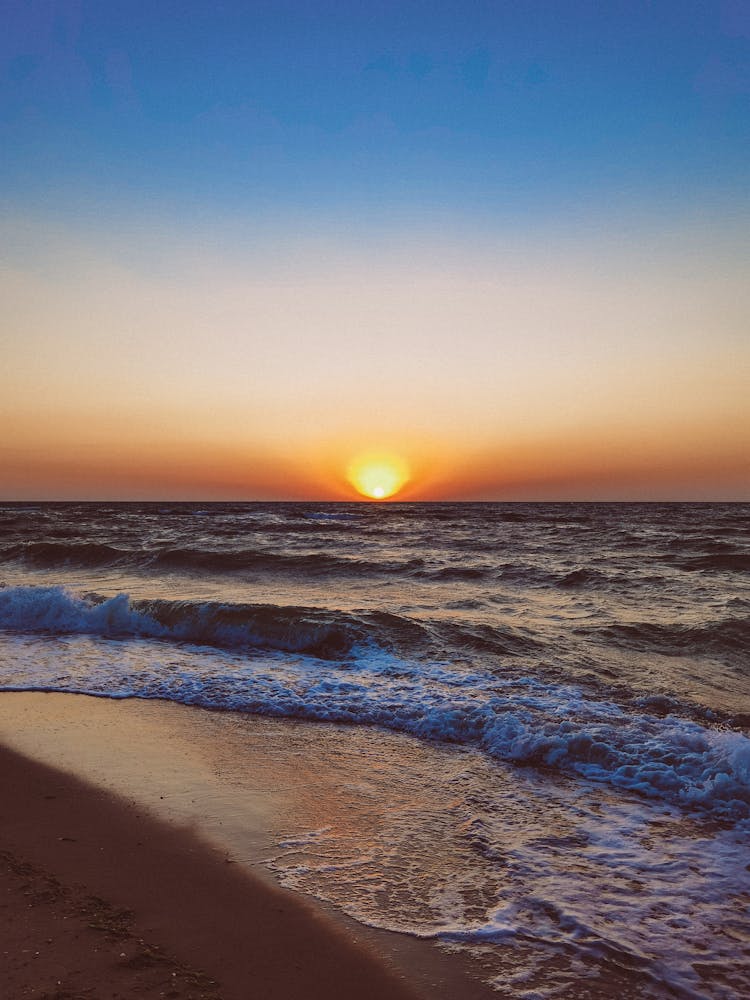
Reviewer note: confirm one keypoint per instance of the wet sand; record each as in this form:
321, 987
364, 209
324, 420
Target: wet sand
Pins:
128, 868
98, 895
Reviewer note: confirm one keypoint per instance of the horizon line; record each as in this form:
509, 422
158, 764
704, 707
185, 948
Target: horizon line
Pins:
371, 502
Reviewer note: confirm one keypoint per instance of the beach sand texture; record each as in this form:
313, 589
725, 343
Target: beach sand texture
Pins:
101, 899
130, 868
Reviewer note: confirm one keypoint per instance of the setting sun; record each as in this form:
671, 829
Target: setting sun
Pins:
377, 476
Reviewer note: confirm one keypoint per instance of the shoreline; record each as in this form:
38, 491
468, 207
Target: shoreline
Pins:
152, 905
169, 812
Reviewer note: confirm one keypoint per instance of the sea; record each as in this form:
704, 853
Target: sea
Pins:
561, 692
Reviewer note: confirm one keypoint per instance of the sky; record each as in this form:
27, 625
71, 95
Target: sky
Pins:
243, 245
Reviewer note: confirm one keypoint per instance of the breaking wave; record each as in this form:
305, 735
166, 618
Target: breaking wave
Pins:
343, 671
320, 632
224, 626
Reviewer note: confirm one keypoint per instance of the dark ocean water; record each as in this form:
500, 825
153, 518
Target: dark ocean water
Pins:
600, 652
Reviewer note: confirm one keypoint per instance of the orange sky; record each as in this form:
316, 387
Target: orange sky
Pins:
202, 364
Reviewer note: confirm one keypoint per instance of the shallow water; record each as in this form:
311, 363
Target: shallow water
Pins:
571, 682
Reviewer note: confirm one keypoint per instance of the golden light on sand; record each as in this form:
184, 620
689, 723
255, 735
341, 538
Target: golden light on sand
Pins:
377, 475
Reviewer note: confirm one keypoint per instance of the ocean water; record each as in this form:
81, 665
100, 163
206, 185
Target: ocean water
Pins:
552, 701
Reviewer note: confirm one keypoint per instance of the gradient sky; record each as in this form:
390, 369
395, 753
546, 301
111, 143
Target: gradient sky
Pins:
242, 243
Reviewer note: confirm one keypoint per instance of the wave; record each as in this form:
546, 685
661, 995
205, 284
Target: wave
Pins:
78, 554
456, 574
262, 560
702, 544
731, 562
478, 637
86, 555
582, 578
324, 515
226, 626
727, 637
340, 675
328, 634
48, 555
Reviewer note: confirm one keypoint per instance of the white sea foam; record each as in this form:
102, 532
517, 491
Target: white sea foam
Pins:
523, 720
56, 610
567, 887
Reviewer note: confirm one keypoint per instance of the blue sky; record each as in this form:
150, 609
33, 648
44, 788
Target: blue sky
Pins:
466, 108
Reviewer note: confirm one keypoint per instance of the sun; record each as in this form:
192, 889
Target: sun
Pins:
377, 475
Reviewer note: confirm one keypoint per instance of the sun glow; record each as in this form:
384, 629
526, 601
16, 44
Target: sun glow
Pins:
377, 476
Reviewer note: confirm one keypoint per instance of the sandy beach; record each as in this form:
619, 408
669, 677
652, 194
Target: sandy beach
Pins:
100, 899
109, 889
